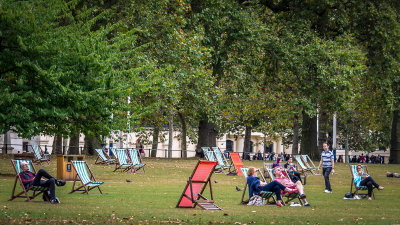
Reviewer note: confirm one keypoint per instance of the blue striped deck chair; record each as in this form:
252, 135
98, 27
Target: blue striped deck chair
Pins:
267, 195
221, 159
302, 168
88, 183
39, 155
289, 196
310, 165
136, 160
102, 158
362, 190
37, 190
123, 164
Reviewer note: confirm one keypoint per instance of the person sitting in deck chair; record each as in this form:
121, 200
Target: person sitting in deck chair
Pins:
256, 186
277, 171
30, 179
291, 170
363, 179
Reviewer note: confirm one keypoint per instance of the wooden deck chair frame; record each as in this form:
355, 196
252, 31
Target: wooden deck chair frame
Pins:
265, 195
209, 155
88, 183
136, 160
101, 155
39, 156
237, 164
359, 190
37, 190
221, 160
301, 167
123, 165
312, 168
197, 182
289, 196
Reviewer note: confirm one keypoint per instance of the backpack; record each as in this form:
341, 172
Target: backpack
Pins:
349, 195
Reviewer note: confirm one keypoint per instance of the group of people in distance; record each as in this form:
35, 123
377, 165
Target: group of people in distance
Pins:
288, 179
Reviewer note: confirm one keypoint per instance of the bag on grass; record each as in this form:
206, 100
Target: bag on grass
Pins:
349, 195
255, 200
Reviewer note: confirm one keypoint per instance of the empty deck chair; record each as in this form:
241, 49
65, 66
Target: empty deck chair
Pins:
136, 160
289, 196
39, 156
88, 183
267, 195
237, 164
362, 190
192, 194
209, 155
222, 161
102, 158
123, 164
309, 164
302, 168
37, 190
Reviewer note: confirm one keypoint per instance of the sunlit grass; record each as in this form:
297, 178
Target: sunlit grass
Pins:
151, 198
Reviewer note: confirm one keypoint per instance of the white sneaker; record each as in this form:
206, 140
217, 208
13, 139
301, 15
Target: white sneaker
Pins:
356, 197
327, 191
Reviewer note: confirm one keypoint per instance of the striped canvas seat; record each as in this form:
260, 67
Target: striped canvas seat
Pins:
309, 164
37, 190
222, 161
267, 195
210, 156
136, 160
123, 164
102, 158
38, 154
82, 175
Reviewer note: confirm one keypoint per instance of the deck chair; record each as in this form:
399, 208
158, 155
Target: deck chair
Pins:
88, 183
39, 156
209, 155
289, 196
222, 161
136, 160
192, 194
267, 166
102, 158
309, 164
123, 164
267, 195
237, 164
302, 168
37, 190
362, 190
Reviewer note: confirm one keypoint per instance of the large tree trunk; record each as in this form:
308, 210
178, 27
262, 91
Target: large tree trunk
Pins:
91, 143
170, 134
183, 135
295, 144
395, 139
74, 145
309, 137
323, 130
247, 140
154, 145
207, 136
57, 145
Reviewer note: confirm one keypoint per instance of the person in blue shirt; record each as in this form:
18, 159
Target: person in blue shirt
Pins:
364, 179
256, 187
328, 166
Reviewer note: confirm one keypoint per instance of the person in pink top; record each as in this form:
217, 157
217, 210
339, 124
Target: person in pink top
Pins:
277, 171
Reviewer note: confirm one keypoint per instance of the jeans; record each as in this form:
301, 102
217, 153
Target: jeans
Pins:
50, 183
369, 182
274, 186
326, 171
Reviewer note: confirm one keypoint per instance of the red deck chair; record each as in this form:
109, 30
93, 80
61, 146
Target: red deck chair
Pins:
237, 162
198, 181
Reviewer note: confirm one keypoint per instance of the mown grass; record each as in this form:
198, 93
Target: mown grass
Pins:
151, 199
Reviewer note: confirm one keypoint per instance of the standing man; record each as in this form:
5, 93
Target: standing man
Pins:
328, 166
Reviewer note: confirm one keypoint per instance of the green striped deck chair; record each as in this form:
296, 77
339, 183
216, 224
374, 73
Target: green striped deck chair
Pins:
123, 165
88, 182
39, 155
362, 190
221, 159
37, 190
136, 160
309, 164
267, 195
210, 156
289, 196
302, 168
102, 158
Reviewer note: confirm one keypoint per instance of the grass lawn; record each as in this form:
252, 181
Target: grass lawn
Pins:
151, 198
